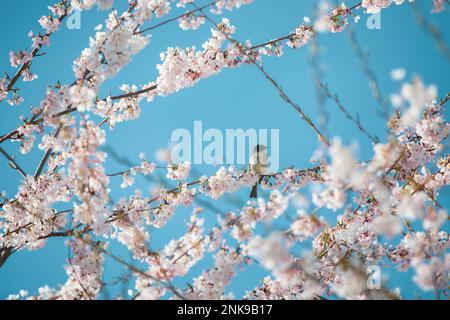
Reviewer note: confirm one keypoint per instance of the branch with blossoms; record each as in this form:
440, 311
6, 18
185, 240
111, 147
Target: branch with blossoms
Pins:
336, 21
393, 194
23, 59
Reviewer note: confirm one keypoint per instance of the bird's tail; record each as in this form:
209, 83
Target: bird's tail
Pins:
254, 193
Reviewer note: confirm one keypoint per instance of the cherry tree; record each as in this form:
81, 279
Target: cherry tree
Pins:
395, 194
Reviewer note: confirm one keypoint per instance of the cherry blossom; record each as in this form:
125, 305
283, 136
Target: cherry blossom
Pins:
179, 172
88, 4
211, 284
375, 6
22, 59
438, 6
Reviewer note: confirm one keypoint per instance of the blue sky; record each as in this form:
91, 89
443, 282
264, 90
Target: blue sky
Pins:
237, 98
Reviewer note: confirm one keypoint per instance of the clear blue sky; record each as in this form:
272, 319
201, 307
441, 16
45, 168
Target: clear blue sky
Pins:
237, 98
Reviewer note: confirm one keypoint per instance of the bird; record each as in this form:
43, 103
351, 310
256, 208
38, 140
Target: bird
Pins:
259, 164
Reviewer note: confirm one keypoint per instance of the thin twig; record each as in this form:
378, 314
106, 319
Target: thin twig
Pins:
176, 18
432, 30
13, 163
45, 157
370, 74
349, 116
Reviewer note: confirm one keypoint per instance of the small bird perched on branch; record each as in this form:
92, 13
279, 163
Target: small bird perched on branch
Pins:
259, 164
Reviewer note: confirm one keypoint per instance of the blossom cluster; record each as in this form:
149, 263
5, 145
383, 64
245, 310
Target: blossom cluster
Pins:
22, 59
